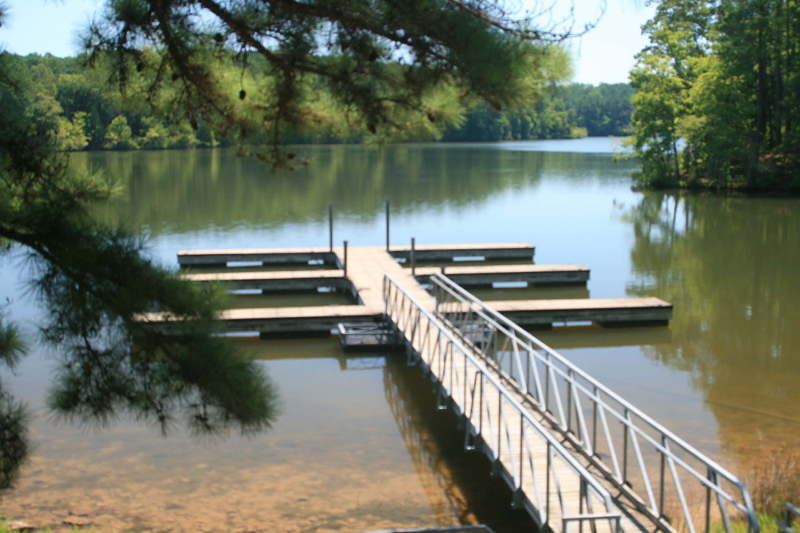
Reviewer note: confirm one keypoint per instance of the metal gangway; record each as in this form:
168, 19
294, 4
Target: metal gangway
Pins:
658, 480
546, 478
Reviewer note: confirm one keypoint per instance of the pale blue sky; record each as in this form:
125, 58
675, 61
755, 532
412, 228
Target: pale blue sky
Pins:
604, 54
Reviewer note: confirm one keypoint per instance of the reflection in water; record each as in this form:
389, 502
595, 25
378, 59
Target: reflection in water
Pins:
191, 190
459, 484
730, 266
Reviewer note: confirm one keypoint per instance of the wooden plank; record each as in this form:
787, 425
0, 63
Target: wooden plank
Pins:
447, 252
254, 251
311, 319
577, 304
268, 313
367, 266
606, 311
481, 275
274, 256
275, 281
267, 275
498, 269
464, 247
297, 320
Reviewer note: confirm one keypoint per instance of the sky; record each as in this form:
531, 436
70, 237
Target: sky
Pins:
604, 54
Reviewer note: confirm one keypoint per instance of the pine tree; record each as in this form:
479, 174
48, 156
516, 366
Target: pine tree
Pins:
380, 60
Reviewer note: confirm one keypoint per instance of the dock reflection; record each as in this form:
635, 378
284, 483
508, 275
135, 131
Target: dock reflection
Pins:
460, 485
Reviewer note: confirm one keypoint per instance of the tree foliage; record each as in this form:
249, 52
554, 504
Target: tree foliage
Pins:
603, 110
380, 63
717, 97
91, 112
251, 71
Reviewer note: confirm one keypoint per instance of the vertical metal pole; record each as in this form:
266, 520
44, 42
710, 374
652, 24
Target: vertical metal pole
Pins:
413, 259
661, 476
330, 227
386, 202
625, 431
547, 484
345, 258
709, 476
581, 497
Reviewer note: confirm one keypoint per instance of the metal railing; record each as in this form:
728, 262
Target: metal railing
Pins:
660, 475
545, 477
790, 513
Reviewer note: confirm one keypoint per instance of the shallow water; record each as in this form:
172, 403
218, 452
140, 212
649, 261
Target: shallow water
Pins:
724, 374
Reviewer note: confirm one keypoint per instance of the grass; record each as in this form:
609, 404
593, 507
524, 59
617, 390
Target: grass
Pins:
776, 481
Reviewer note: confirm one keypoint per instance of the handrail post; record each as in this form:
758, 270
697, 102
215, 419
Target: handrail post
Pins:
413, 258
330, 227
345, 258
386, 204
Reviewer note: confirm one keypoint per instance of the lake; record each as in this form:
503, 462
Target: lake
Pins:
359, 444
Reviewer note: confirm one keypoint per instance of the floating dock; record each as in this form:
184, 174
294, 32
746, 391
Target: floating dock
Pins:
487, 275
359, 271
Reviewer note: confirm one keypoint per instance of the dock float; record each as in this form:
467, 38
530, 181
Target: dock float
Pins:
465, 252
362, 277
603, 311
323, 255
298, 321
265, 256
275, 281
486, 275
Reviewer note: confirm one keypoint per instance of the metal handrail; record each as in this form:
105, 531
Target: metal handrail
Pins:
532, 358
790, 512
438, 347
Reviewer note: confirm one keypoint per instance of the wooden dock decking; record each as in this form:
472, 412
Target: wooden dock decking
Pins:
274, 281
454, 252
604, 311
486, 275
366, 267
266, 256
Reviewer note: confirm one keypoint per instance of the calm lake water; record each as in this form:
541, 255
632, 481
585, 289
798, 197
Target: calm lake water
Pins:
359, 445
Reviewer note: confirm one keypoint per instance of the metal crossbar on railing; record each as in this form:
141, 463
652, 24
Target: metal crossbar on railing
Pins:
661, 476
546, 478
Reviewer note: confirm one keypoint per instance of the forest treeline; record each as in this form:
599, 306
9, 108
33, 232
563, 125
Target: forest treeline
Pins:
92, 114
718, 95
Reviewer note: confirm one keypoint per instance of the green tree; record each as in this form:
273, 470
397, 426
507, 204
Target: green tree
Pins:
94, 282
379, 61
156, 135
245, 70
603, 110
119, 135
717, 95
72, 133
